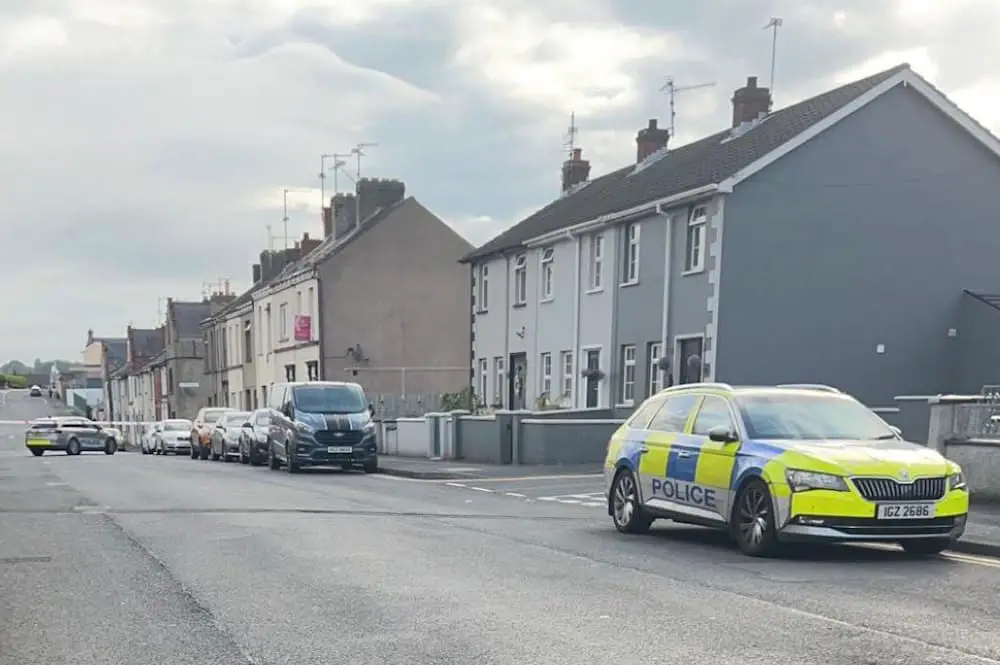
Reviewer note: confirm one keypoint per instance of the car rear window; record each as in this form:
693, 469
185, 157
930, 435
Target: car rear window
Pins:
43, 424
211, 415
176, 427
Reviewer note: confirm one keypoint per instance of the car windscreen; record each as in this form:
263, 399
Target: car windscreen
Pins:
176, 427
329, 399
237, 417
212, 415
803, 416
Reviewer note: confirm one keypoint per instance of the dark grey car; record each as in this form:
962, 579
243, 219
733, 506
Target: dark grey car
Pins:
226, 435
71, 435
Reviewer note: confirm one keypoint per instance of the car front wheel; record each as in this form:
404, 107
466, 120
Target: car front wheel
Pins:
753, 525
626, 512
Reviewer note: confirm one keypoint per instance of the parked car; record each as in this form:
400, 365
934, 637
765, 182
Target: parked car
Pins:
73, 435
114, 434
201, 430
173, 437
146, 439
226, 435
255, 437
35, 391
321, 424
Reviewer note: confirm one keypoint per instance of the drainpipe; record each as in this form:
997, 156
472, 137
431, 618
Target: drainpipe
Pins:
506, 335
665, 351
577, 295
613, 283
320, 328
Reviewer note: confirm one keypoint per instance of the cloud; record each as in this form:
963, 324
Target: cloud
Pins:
151, 141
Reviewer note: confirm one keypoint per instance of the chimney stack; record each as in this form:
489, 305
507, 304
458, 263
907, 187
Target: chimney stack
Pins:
750, 103
650, 139
256, 272
90, 336
327, 222
308, 244
575, 170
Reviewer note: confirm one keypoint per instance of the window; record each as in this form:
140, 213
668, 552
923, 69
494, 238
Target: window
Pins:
545, 374
483, 380
312, 370
820, 416
483, 288
640, 419
674, 414
270, 332
594, 274
260, 328
283, 321
330, 399
714, 412
628, 374
655, 377
290, 372
520, 280
546, 273
311, 297
500, 377
630, 257
567, 373
298, 302
694, 260
247, 341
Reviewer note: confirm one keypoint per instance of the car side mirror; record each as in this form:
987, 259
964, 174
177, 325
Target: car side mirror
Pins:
722, 434
247, 425
371, 409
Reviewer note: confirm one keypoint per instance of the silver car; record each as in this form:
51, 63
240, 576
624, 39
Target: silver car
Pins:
172, 437
72, 435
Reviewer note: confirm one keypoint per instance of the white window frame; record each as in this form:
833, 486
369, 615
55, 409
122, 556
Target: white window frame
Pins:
483, 288
628, 356
283, 322
484, 379
595, 275
500, 381
546, 273
567, 364
521, 280
655, 373
694, 242
630, 255
545, 375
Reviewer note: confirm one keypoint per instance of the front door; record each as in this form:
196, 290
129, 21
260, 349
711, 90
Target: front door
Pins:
689, 352
518, 377
593, 384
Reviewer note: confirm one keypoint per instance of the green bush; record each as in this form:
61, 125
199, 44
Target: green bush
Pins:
13, 381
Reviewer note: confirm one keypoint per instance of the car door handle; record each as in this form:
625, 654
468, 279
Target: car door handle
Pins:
683, 454
643, 449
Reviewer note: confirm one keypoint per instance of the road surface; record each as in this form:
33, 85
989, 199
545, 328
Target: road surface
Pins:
136, 559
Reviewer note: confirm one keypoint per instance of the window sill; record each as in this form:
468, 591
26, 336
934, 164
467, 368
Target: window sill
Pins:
633, 282
590, 292
693, 271
624, 405
519, 305
544, 301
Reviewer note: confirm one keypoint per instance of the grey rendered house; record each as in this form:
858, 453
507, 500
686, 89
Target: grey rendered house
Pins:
185, 353
831, 241
393, 299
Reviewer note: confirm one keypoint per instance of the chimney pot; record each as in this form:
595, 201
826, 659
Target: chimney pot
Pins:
751, 81
652, 123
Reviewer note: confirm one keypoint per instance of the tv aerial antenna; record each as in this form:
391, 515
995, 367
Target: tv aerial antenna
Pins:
773, 26
671, 88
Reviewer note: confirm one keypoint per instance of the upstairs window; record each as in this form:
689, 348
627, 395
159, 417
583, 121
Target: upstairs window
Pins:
694, 260
630, 257
483, 288
547, 273
520, 280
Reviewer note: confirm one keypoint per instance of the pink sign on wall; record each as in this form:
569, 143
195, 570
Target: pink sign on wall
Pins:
303, 328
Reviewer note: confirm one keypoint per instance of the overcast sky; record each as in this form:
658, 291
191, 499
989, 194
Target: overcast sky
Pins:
146, 142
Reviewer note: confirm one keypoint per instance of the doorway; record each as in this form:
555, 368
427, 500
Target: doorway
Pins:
690, 359
593, 384
518, 375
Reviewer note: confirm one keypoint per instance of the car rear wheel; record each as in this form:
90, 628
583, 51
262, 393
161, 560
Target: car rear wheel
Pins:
752, 523
110, 447
290, 465
73, 447
272, 462
925, 546
626, 513
37, 452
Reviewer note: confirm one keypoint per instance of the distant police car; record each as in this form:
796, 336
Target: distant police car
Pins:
73, 435
780, 464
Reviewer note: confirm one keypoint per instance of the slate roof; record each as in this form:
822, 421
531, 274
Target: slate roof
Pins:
705, 162
187, 318
146, 342
116, 348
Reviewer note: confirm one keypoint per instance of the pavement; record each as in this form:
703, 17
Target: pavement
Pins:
143, 559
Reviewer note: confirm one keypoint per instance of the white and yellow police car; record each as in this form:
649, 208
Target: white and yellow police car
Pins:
780, 464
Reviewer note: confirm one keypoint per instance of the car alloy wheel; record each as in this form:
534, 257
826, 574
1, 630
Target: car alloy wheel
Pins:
626, 513
753, 520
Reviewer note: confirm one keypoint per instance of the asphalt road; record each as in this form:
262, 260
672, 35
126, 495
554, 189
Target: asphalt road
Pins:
142, 559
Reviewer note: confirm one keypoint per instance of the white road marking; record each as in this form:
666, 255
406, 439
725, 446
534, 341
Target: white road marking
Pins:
456, 484
515, 494
481, 489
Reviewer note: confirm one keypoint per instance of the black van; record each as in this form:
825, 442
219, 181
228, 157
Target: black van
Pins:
321, 423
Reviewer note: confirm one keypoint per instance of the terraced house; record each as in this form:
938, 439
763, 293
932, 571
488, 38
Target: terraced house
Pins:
828, 241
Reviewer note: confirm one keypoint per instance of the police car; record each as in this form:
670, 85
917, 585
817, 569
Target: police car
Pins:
780, 464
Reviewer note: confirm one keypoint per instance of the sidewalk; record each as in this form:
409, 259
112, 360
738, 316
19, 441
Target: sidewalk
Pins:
425, 469
982, 535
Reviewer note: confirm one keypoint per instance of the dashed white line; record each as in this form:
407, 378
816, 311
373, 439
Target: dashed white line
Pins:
481, 489
515, 494
456, 484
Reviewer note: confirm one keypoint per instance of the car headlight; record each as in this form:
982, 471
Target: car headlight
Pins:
956, 481
304, 428
369, 428
803, 481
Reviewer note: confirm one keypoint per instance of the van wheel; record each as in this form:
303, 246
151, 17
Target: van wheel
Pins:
73, 447
752, 523
626, 513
